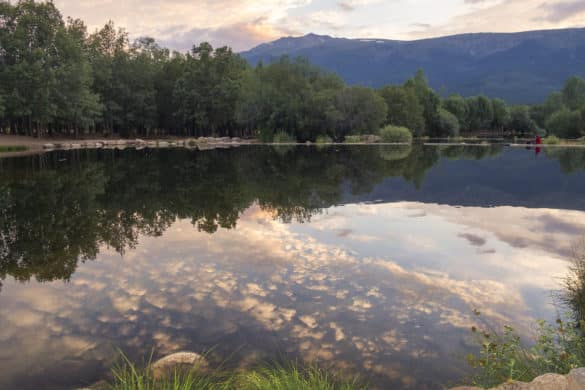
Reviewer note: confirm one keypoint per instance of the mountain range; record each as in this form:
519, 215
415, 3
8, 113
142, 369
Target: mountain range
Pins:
521, 68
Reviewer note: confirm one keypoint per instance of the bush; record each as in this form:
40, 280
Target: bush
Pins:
396, 134
324, 139
283, 138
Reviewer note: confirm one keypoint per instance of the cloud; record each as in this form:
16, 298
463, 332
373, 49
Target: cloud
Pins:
346, 6
561, 11
507, 16
473, 239
240, 24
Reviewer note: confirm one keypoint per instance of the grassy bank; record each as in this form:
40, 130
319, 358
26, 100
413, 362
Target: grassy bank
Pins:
12, 148
128, 376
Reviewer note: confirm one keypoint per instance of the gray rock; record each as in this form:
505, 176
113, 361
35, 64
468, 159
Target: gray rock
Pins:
49, 146
177, 361
576, 379
550, 382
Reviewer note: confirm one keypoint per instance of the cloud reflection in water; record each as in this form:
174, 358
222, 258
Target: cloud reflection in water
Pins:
367, 288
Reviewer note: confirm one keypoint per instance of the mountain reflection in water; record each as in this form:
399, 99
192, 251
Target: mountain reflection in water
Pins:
258, 252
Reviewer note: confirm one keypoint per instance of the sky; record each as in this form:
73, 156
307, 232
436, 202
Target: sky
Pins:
243, 24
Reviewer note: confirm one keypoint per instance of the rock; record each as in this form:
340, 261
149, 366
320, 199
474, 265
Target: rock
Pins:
177, 361
550, 382
514, 386
576, 379
466, 388
99, 145
48, 146
101, 385
163, 144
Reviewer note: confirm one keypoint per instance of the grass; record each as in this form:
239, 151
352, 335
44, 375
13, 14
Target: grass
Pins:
559, 347
551, 140
128, 376
353, 139
12, 148
554, 140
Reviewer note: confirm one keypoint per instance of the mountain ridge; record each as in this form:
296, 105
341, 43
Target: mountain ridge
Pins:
521, 67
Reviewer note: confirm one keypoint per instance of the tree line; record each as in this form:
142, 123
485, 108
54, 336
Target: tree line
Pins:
58, 79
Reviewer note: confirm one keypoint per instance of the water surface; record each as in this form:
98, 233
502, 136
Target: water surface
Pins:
368, 259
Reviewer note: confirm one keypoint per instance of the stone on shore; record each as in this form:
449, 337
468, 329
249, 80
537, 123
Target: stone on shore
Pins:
177, 361
576, 379
48, 146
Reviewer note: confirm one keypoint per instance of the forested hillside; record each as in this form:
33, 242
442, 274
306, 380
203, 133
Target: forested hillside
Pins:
521, 68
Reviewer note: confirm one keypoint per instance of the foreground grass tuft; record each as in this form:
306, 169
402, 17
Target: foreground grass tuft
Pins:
12, 148
128, 376
293, 378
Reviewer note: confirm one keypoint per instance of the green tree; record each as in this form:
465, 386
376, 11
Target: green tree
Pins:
501, 114
428, 99
361, 111
566, 124
574, 93
520, 120
457, 106
480, 113
404, 108
448, 124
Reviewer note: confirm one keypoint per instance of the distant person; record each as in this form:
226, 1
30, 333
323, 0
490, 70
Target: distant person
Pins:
538, 140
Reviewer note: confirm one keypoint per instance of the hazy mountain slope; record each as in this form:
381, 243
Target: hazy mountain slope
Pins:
519, 67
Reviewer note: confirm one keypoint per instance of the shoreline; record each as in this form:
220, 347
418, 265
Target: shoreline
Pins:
41, 145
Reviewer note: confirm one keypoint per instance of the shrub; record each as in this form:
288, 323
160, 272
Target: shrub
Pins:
283, 138
324, 139
353, 139
503, 357
396, 134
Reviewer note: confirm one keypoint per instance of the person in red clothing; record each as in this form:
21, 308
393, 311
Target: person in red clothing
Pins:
538, 140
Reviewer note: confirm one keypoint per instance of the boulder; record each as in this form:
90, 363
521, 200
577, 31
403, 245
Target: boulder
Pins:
576, 379
176, 362
48, 146
550, 382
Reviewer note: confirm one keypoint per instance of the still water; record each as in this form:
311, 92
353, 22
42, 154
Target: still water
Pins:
367, 259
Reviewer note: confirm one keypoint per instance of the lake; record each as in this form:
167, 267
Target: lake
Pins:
369, 259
